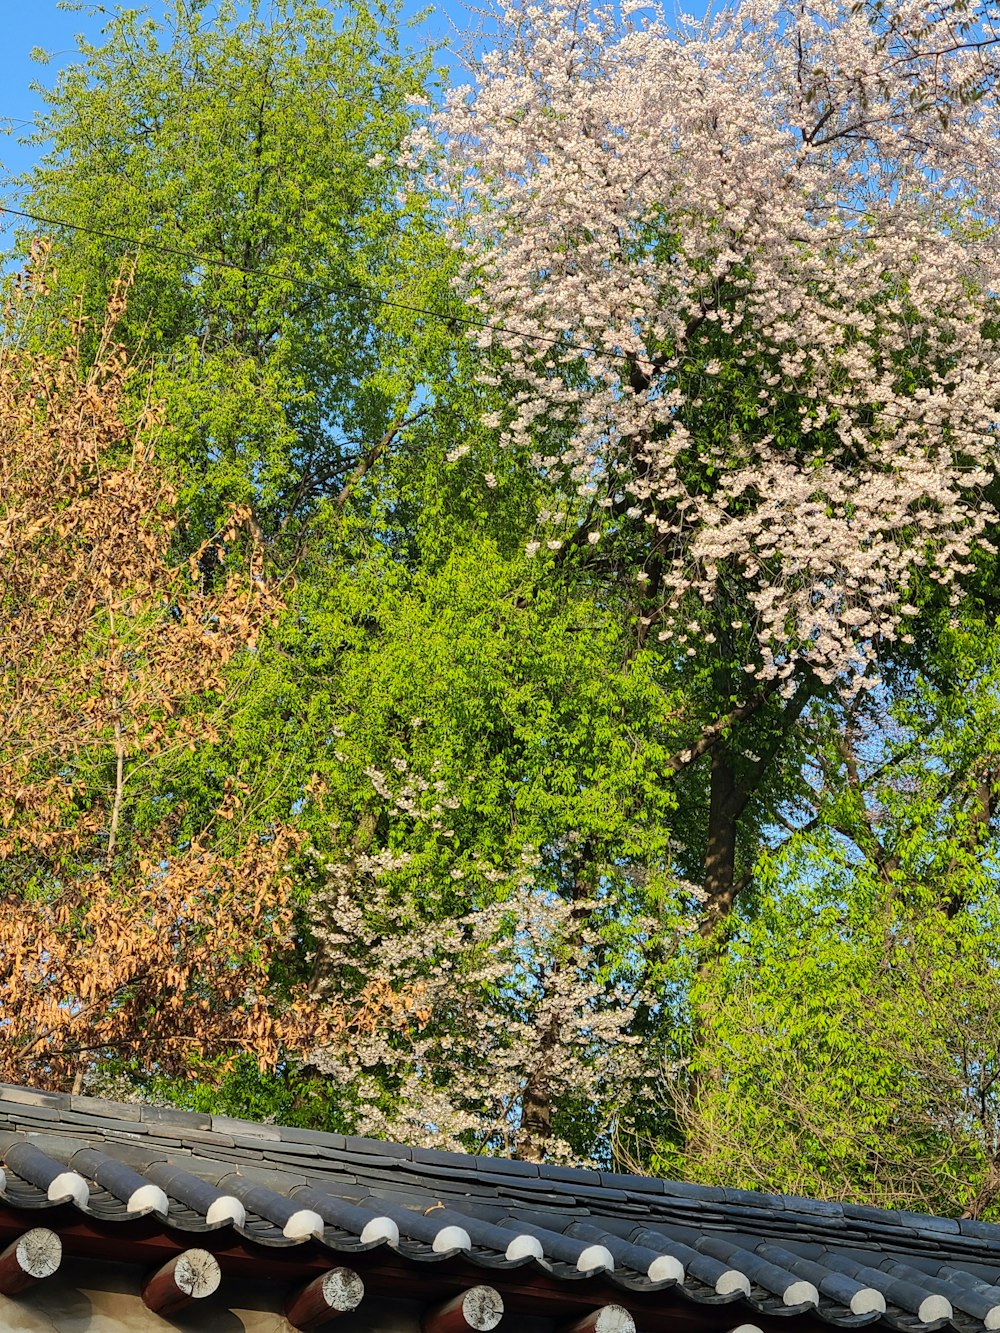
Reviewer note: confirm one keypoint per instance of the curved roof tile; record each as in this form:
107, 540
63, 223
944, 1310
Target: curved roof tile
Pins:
846, 1264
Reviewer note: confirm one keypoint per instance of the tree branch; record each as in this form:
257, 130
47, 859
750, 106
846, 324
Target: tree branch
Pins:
716, 730
119, 789
368, 460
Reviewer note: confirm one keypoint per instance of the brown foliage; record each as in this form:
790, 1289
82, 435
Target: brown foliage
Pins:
113, 657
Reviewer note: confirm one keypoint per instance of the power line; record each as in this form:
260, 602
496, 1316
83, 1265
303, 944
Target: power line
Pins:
332, 289
329, 289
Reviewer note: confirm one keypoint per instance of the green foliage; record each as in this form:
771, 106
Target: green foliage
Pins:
285, 1096
845, 1045
481, 749
849, 1050
258, 148
488, 733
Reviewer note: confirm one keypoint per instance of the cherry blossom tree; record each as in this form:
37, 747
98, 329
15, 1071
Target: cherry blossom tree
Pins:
488, 838
738, 283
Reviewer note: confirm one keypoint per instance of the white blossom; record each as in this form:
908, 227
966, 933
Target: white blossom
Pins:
795, 199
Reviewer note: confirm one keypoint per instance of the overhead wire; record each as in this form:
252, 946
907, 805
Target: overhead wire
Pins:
331, 289
451, 318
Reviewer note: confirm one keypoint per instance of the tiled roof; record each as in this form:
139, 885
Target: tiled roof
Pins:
282, 1188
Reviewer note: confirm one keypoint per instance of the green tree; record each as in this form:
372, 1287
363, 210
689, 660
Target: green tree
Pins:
250, 159
848, 1040
480, 761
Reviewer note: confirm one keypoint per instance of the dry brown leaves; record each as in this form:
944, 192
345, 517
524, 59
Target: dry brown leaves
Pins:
111, 657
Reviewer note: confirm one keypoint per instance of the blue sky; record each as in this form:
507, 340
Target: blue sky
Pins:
27, 24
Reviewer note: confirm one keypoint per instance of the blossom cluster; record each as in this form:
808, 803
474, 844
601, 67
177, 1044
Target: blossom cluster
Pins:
469, 1011
740, 282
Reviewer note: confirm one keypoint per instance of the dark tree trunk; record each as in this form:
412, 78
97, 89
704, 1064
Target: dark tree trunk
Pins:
536, 1103
727, 801
720, 850
730, 793
536, 1096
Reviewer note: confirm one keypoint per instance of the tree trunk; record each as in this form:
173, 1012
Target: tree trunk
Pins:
536, 1103
720, 851
727, 802
729, 797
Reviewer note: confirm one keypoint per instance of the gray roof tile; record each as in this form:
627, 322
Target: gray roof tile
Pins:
169, 1115
734, 1245
225, 1124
